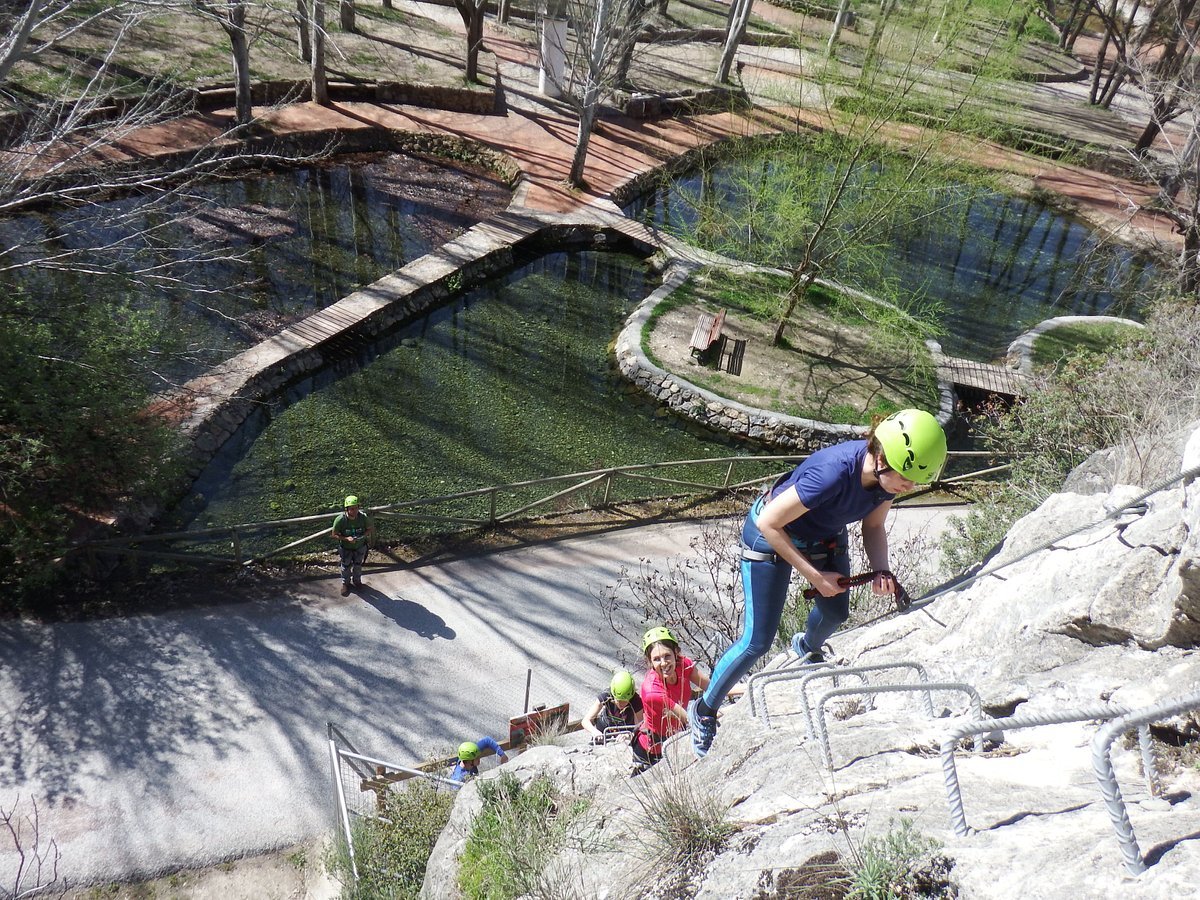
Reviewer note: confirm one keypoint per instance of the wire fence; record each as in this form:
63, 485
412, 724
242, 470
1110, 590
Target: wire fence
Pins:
247, 544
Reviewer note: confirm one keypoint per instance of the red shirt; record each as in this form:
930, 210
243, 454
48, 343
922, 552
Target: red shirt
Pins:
658, 697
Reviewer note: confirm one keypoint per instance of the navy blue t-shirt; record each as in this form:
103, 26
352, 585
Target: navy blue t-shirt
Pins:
829, 483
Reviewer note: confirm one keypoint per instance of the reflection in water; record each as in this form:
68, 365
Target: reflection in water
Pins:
510, 382
995, 265
239, 258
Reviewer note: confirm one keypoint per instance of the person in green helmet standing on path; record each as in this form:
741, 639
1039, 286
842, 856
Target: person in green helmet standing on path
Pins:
355, 532
800, 523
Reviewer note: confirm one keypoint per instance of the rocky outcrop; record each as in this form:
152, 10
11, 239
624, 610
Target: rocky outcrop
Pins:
1091, 602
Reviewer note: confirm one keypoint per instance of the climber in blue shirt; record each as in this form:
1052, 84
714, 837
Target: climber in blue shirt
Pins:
468, 757
800, 523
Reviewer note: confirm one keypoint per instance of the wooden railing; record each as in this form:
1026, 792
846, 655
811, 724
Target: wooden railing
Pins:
487, 507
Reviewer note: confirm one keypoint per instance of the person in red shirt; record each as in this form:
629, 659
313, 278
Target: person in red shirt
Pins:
666, 691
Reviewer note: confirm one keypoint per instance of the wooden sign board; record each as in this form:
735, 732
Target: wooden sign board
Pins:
521, 728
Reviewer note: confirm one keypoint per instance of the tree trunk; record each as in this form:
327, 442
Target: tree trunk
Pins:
1069, 25
1101, 55
1079, 26
795, 295
583, 136
1190, 261
1149, 133
239, 45
303, 40
18, 37
346, 16
733, 39
471, 12
474, 42
885, 14
837, 26
320, 86
502, 12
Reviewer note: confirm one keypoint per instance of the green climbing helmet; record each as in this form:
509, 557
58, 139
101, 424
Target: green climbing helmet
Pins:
654, 635
913, 444
350, 501
621, 685
468, 750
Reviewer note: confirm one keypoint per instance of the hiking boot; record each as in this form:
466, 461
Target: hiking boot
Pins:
806, 656
358, 582
704, 729
345, 589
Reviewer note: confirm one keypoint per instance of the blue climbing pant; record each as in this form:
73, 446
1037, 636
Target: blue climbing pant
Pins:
765, 586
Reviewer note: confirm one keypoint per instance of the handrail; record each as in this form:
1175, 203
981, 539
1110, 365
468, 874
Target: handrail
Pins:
958, 818
1106, 777
415, 509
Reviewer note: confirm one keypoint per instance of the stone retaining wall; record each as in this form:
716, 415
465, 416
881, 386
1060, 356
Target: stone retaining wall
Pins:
757, 426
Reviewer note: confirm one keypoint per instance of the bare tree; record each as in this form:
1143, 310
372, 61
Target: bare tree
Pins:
37, 858
346, 16
1175, 164
472, 12
76, 370
232, 19
699, 596
597, 62
739, 18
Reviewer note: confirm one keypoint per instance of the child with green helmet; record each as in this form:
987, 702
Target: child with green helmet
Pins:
800, 523
355, 532
618, 707
469, 753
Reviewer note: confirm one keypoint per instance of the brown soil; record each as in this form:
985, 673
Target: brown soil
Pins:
824, 370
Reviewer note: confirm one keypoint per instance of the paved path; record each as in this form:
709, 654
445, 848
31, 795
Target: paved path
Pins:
159, 742
539, 134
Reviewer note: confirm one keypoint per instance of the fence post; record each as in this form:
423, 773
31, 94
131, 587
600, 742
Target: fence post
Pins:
608, 480
528, 682
492, 506
728, 474
237, 546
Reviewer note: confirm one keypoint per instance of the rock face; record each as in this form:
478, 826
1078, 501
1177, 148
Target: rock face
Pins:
1088, 604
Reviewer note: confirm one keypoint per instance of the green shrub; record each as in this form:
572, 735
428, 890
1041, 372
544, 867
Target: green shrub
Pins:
886, 868
514, 836
681, 819
392, 851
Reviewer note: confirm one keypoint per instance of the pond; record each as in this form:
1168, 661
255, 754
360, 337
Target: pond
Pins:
511, 381
995, 264
229, 262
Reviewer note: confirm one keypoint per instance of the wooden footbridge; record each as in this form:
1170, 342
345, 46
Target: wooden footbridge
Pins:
978, 378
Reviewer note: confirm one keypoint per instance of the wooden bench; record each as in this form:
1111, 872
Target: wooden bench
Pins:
707, 333
732, 356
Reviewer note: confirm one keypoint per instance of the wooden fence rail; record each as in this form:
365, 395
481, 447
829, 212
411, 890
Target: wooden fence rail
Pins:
560, 487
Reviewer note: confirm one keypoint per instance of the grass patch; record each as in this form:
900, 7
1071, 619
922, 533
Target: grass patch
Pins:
393, 850
849, 358
1054, 347
514, 836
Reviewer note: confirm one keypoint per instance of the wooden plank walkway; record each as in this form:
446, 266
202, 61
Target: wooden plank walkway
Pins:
984, 377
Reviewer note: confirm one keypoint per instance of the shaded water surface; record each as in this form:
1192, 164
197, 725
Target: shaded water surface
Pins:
510, 382
230, 262
995, 264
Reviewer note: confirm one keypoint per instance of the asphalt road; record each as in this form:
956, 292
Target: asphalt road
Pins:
154, 743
